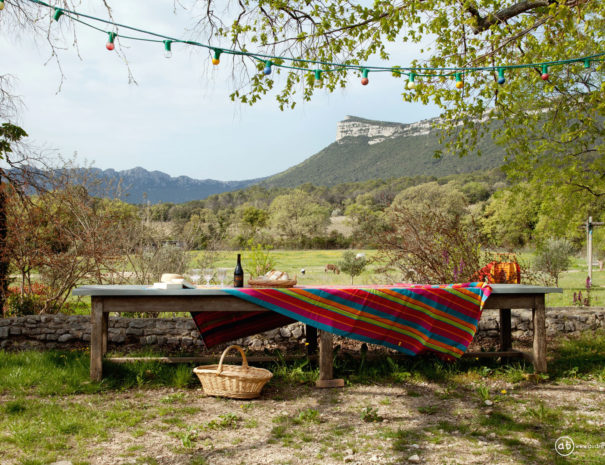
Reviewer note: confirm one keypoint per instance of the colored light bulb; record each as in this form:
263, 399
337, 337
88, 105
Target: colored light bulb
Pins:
110, 45
318, 78
168, 48
1, 5
501, 78
544, 73
364, 79
267, 69
216, 59
459, 83
411, 84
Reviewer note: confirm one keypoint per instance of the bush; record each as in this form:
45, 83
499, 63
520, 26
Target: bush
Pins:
352, 264
553, 257
427, 243
22, 305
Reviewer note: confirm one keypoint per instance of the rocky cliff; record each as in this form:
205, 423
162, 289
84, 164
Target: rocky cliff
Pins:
378, 131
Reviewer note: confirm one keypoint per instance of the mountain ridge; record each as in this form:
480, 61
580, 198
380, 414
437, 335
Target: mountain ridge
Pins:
368, 149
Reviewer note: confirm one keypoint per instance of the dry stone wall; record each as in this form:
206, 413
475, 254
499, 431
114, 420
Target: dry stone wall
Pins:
67, 331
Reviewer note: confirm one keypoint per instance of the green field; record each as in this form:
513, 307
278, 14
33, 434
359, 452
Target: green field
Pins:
314, 261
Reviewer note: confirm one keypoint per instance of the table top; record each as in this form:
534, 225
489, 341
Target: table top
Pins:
124, 290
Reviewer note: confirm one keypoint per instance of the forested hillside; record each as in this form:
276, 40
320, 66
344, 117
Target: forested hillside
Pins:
354, 159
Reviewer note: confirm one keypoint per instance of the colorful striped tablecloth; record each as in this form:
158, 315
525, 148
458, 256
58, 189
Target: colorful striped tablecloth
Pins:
409, 318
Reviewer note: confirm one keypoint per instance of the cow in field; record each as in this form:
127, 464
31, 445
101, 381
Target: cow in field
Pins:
331, 267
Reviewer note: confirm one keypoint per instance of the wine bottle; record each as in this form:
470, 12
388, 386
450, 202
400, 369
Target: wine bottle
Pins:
238, 275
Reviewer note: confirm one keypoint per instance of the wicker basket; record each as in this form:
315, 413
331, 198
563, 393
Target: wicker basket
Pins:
263, 282
238, 382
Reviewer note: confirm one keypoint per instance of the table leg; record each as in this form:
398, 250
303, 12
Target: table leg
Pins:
311, 336
96, 339
326, 367
505, 330
506, 338
105, 331
539, 320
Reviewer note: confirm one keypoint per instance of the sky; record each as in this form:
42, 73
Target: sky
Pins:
178, 118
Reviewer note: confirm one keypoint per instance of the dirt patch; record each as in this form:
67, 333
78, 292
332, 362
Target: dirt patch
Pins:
361, 424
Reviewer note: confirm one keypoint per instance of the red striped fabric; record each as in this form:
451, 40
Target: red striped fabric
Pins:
409, 318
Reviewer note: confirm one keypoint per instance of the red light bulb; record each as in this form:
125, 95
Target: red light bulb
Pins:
364, 81
110, 46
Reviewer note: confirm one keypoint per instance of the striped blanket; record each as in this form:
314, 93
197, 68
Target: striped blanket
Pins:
409, 318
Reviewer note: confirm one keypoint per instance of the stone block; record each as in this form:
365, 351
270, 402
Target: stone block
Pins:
297, 332
134, 331
14, 331
150, 339
138, 323
163, 324
184, 324
570, 326
65, 338
490, 323
285, 332
86, 337
5, 322
116, 337
3, 332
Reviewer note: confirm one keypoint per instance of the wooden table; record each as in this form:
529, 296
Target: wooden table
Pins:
126, 298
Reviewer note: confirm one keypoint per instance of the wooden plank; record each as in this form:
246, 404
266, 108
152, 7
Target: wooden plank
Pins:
179, 304
499, 301
105, 331
501, 353
326, 355
505, 329
96, 339
326, 368
539, 320
330, 383
206, 359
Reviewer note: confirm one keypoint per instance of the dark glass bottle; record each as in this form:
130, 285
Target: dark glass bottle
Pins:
238, 275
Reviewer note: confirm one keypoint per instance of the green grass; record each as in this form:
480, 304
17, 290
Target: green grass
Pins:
314, 262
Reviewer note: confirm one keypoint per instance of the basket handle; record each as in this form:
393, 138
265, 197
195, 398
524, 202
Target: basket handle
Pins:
219, 370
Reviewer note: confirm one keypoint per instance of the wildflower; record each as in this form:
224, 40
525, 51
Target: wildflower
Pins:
306, 343
588, 283
503, 391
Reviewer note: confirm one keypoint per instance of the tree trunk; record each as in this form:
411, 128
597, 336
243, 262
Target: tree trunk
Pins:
4, 262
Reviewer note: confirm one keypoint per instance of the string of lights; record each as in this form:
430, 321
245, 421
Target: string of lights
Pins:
316, 67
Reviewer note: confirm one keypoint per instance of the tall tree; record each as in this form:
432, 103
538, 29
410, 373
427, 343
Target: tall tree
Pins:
550, 121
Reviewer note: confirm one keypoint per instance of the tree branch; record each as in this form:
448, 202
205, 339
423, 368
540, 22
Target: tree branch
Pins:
485, 22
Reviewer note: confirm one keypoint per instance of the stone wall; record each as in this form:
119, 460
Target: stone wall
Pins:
67, 331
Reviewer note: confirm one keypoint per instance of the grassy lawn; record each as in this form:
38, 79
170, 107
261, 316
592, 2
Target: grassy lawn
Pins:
314, 262
148, 413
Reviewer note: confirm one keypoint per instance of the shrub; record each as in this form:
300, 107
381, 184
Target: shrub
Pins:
352, 264
553, 257
431, 244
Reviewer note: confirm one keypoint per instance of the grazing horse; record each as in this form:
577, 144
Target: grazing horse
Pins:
331, 267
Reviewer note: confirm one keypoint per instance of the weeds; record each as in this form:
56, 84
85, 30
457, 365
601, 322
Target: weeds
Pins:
370, 415
224, 421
